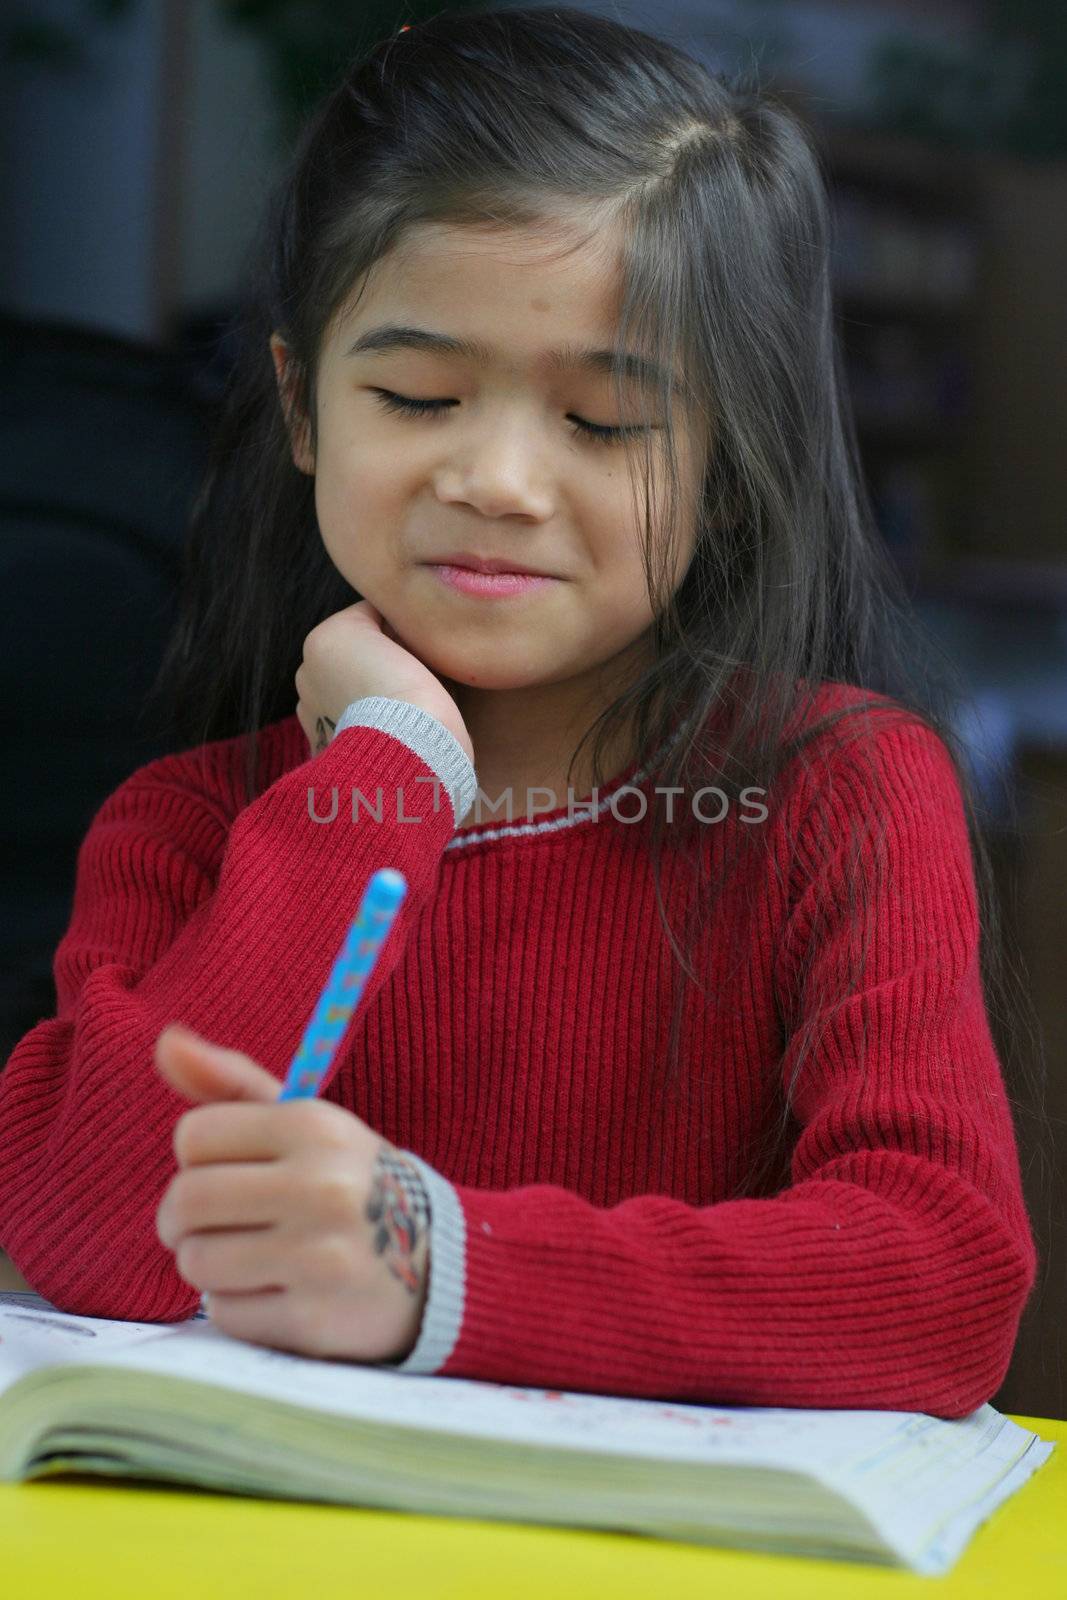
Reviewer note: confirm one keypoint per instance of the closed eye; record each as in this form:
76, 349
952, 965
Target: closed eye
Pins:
429, 408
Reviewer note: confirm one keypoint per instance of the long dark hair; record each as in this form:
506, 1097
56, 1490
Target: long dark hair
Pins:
499, 118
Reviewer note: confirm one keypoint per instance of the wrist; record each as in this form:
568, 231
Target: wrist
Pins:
417, 1308
399, 1207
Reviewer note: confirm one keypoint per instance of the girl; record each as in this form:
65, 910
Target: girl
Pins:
541, 294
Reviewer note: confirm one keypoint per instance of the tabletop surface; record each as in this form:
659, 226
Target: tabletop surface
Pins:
89, 1539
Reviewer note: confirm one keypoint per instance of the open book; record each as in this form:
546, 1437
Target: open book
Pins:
183, 1402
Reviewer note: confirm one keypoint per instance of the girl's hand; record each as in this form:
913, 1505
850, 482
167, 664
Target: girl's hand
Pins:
308, 1230
356, 653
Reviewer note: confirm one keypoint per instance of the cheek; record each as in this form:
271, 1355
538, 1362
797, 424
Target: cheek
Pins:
352, 483
331, 511
622, 605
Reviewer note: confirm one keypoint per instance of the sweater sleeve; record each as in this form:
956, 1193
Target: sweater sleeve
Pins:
892, 1271
177, 918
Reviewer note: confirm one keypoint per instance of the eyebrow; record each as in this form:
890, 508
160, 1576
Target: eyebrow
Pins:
565, 358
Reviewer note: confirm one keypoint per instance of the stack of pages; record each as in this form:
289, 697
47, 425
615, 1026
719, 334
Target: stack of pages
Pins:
185, 1403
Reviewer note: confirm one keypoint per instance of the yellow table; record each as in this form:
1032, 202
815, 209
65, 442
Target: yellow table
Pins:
89, 1539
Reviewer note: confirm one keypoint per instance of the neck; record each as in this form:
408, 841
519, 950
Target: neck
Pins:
525, 739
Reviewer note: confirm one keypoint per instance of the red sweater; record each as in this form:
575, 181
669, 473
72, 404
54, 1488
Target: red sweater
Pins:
582, 1232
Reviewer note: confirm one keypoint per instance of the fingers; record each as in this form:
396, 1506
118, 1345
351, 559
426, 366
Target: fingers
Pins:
231, 1132
237, 1195
201, 1070
366, 609
241, 1131
271, 1317
255, 1260
230, 1263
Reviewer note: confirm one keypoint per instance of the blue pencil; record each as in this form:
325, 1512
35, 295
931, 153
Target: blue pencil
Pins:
363, 944
382, 899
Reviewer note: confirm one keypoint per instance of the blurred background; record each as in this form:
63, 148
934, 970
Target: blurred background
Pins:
138, 142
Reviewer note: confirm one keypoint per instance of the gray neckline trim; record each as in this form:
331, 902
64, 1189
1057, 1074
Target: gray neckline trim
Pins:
481, 834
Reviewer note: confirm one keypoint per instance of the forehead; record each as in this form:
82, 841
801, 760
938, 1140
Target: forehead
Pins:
559, 277
542, 299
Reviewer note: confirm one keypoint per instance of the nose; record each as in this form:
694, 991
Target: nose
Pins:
501, 473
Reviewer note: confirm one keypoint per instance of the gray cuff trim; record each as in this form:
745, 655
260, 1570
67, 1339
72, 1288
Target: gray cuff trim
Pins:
442, 1317
427, 736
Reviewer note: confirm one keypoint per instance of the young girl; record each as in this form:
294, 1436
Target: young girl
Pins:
675, 1077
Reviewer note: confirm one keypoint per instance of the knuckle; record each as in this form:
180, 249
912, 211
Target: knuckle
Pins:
338, 1195
313, 643
181, 1145
185, 1136
189, 1260
325, 1123
306, 1326
331, 1259
191, 1197
177, 1215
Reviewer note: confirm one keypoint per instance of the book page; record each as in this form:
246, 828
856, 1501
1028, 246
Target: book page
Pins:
33, 1333
876, 1457
923, 1482
799, 1440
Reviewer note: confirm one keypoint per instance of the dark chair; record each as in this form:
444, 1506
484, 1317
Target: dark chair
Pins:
103, 445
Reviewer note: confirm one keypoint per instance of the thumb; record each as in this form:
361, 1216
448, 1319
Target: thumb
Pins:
201, 1071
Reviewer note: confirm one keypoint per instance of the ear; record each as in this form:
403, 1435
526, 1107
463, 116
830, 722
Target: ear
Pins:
295, 420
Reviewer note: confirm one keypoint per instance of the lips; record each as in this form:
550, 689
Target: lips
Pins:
488, 564
490, 585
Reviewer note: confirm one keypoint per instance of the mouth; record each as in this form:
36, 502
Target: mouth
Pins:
492, 565
465, 580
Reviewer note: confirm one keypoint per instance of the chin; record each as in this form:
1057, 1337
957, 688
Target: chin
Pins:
464, 677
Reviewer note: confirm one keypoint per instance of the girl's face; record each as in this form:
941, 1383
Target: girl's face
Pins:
505, 469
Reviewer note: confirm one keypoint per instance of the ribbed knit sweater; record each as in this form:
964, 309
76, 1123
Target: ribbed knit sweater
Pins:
586, 1229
